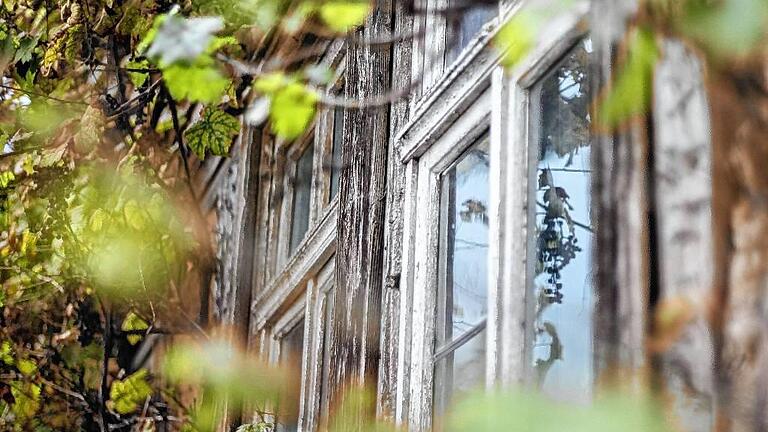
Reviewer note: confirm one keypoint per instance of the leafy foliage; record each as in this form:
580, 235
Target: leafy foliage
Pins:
129, 394
132, 323
292, 104
213, 133
341, 16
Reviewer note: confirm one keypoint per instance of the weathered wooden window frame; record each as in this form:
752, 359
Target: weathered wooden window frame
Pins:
302, 281
430, 49
475, 95
509, 359
309, 306
324, 130
293, 152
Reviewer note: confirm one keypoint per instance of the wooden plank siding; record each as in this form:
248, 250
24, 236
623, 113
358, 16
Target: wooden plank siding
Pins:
360, 226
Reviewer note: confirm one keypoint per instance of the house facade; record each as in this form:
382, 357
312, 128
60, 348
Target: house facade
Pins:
476, 230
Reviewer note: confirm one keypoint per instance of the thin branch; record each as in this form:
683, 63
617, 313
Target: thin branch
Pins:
180, 142
578, 224
127, 107
31, 93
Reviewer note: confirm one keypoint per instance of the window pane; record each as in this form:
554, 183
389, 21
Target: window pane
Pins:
459, 373
338, 134
562, 285
470, 18
325, 369
462, 285
302, 187
291, 356
463, 278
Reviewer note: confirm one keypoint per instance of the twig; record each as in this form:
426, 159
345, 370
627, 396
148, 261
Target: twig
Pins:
180, 142
31, 93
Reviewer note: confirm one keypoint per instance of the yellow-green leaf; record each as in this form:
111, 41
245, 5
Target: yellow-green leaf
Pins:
631, 94
27, 397
6, 177
195, 83
516, 38
127, 395
6, 352
98, 218
213, 133
341, 16
132, 323
26, 367
137, 78
134, 215
270, 83
292, 109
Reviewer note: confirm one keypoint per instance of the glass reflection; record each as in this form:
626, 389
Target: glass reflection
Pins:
302, 188
562, 287
465, 245
338, 140
469, 19
462, 286
461, 371
291, 356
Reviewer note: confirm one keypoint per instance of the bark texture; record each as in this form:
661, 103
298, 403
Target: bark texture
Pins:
739, 107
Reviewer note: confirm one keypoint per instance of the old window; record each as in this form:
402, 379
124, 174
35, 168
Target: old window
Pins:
302, 190
462, 303
447, 280
292, 305
288, 350
464, 20
449, 31
299, 339
481, 152
338, 140
561, 287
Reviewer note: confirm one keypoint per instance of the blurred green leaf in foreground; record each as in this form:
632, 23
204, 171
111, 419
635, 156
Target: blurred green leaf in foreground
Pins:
519, 411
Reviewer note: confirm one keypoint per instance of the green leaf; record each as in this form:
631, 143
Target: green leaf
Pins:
25, 49
195, 83
270, 83
6, 352
292, 109
6, 177
133, 322
134, 215
129, 394
149, 37
341, 16
138, 78
26, 367
27, 397
631, 94
516, 38
213, 133
218, 42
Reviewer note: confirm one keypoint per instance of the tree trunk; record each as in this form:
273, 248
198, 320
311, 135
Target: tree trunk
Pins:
739, 108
